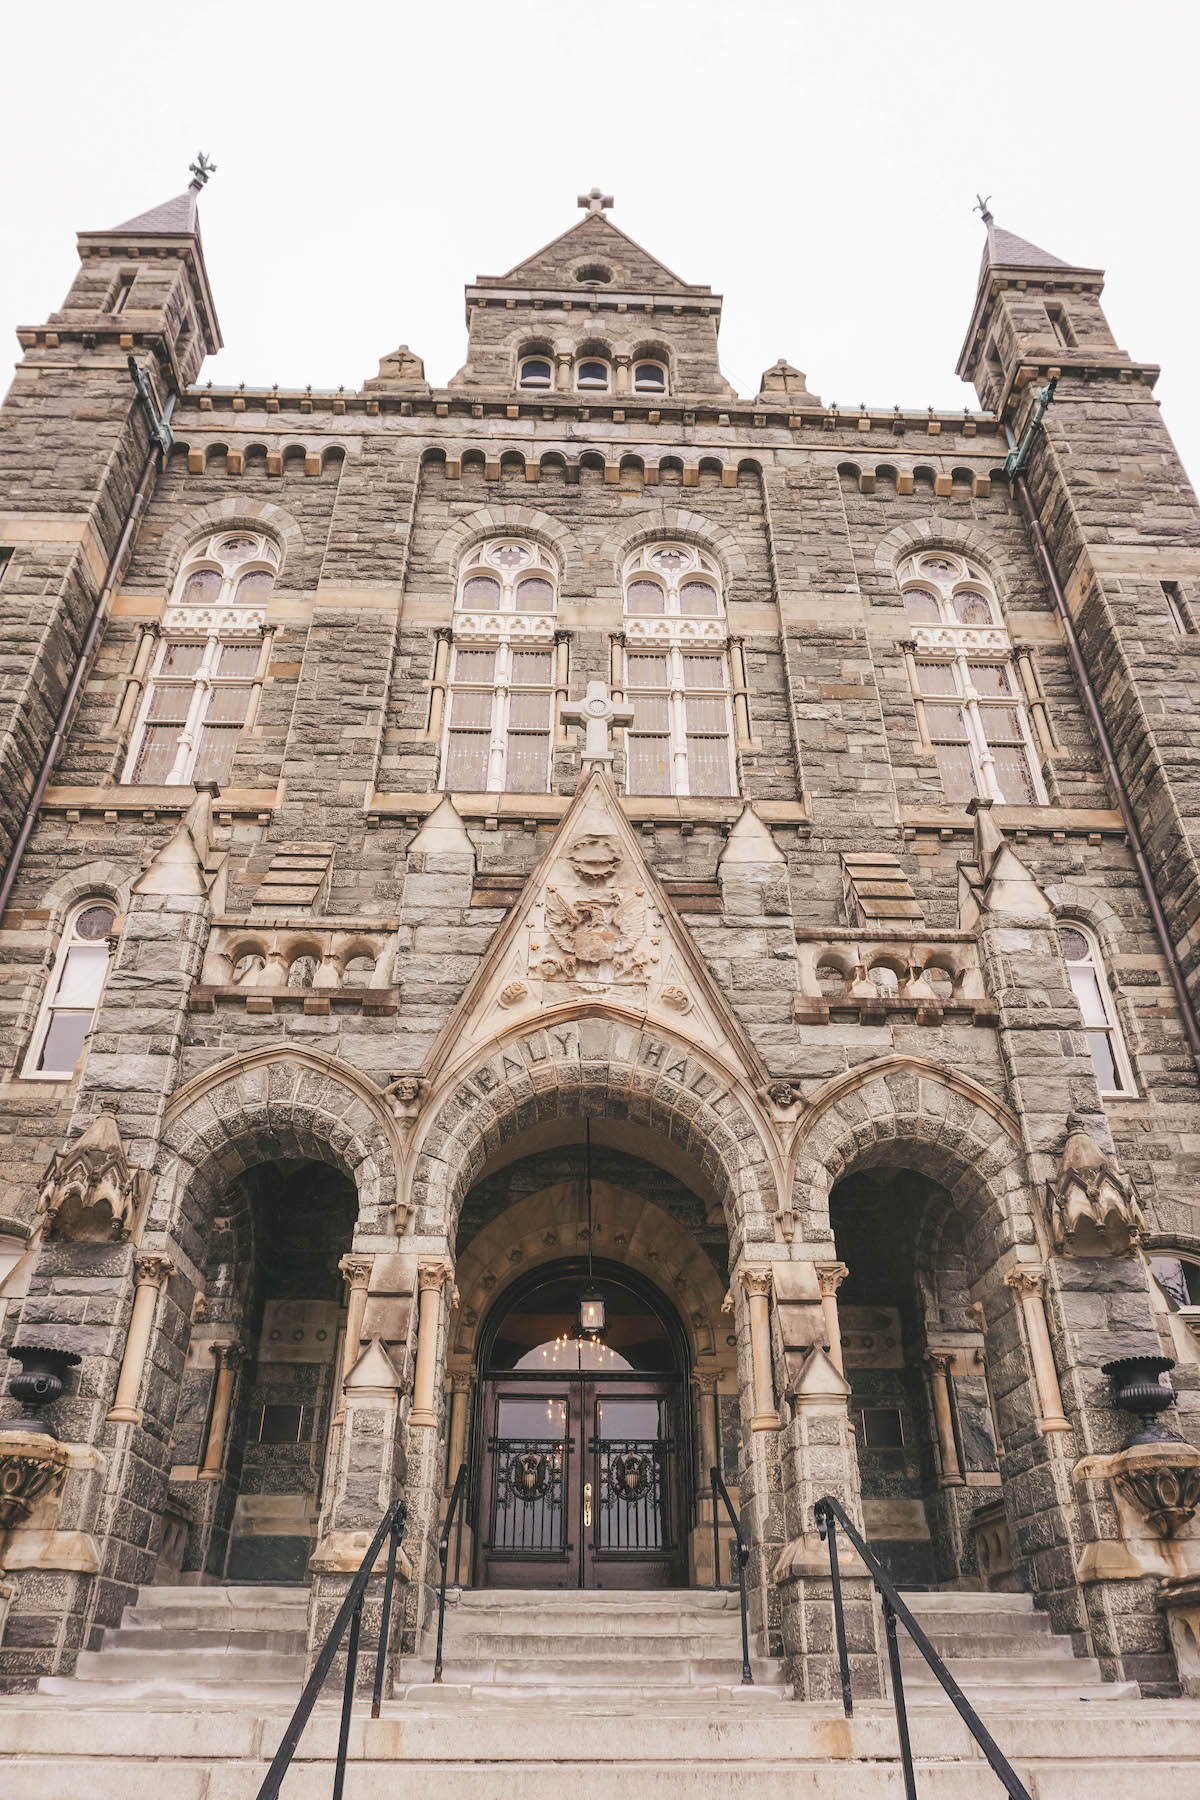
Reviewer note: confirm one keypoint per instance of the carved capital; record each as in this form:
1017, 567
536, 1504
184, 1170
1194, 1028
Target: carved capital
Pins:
756, 1282
830, 1276
940, 1362
228, 1354
153, 1270
32, 1465
356, 1270
433, 1276
1027, 1278
1160, 1481
706, 1381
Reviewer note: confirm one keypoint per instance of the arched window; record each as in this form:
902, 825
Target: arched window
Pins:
592, 374
72, 993
677, 675
1089, 982
204, 672
535, 372
965, 682
649, 378
499, 722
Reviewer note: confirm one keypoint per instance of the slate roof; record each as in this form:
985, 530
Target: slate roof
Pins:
174, 218
1004, 249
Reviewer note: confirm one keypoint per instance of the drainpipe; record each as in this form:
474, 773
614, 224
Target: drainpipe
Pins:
160, 443
1015, 470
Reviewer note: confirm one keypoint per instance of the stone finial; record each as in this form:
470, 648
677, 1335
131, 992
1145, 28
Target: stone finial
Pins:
1092, 1206
91, 1192
179, 867
1005, 885
400, 365
200, 171
750, 841
443, 833
595, 200
597, 712
781, 380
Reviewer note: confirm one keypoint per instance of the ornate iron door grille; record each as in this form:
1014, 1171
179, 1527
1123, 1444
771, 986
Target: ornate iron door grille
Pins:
632, 1493
528, 1486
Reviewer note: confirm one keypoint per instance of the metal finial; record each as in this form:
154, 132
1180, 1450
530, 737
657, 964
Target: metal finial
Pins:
200, 171
595, 201
982, 208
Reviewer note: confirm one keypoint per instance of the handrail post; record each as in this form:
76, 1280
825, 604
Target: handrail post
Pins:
827, 1526
889, 1621
339, 1773
456, 1494
385, 1619
743, 1557
716, 1535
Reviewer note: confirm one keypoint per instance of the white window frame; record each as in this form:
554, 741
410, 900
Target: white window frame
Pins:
67, 942
505, 631
1112, 1025
675, 634
535, 387
223, 621
948, 641
582, 387
649, 362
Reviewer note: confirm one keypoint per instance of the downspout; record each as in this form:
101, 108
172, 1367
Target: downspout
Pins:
160, 443
1014, 468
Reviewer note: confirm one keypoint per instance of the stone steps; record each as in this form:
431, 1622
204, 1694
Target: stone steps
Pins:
689, 1748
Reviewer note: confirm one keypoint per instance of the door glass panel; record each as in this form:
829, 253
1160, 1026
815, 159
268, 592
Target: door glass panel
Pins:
619, 1417
539, 1416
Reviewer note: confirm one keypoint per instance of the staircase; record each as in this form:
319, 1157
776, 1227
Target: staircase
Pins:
506, 1643
626, 1696
245, 1643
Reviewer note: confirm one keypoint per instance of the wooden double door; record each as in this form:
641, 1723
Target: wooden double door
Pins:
582, 1483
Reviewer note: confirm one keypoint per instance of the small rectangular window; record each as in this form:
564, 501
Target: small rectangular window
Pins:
120, 294
1177, 607
883, 1427
1060, 325
280, 1424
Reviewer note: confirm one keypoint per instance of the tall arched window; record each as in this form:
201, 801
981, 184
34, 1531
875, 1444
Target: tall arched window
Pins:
499, 723
1090, 984
535, 372
198, 695
72, 992
965, 682
1178, 1276
677, 674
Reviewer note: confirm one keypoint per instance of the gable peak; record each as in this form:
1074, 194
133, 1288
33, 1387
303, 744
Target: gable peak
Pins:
593, 254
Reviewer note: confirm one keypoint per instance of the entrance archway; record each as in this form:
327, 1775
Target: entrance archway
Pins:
583, 1437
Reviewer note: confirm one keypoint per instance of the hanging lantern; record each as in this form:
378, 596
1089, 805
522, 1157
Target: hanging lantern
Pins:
591, 1314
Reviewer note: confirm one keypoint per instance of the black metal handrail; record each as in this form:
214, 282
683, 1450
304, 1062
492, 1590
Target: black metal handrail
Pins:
456, 1506
829, 1513
349, 1614
739, 1553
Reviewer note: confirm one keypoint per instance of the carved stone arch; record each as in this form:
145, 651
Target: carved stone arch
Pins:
233, 514
910, 1112
505, 521
1071, 902
630, 1229
690, 528
111, 879
940, 533
675, 1104
259, 1107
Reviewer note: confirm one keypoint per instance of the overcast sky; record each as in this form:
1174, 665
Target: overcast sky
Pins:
815, 163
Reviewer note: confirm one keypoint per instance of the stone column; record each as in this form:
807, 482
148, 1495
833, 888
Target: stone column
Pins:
1029, 1283
830, 1277
437, 692
940, 1363
432, 1278
357, 1271
228, 1356
152, 1274
756, 1284
460, 1389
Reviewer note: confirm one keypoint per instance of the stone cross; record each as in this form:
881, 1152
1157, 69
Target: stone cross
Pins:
594, 201
597, 712
200, 171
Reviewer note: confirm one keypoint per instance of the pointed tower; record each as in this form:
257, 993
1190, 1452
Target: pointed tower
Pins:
1032, 310
593, 313
78, 442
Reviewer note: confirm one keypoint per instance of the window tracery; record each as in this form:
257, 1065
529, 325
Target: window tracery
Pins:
677, 674
970, 702
72, 992
1089, 982
198, 695
499, 723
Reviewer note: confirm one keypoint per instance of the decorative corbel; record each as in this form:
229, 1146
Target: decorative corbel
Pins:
1093, 1208
91, 1192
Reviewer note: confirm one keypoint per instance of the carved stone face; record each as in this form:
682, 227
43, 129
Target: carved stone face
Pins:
595, 858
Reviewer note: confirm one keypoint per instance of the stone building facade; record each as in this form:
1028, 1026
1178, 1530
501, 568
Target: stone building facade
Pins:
573, 830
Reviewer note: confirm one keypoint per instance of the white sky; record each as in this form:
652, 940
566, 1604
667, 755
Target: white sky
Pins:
816, 163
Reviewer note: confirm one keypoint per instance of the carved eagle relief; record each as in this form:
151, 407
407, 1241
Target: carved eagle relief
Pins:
592, 931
